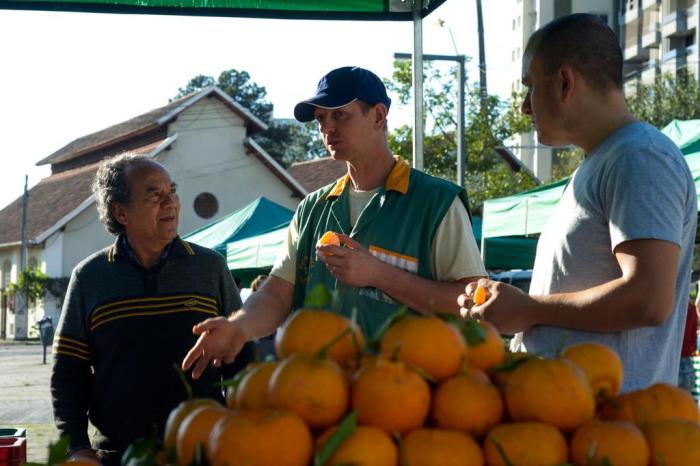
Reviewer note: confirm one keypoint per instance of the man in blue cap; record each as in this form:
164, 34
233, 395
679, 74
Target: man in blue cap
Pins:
405, 236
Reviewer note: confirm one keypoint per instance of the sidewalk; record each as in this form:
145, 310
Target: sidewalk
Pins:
25, 400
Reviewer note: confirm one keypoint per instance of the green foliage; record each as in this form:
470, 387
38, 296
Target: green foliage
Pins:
32, 281
487, 126
565, 162
285, 142
292, 142
345, 429
669, 97
236, 84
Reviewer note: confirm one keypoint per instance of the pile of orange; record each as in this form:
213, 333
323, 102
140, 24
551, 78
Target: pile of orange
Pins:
438, 391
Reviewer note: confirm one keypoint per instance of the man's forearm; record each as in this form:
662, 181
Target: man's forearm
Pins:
419, 293
611, 307
265, 309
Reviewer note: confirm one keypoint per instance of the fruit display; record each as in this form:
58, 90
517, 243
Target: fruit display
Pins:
431, 390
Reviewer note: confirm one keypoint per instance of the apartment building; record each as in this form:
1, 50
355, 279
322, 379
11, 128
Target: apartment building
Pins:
528, 16
658, 36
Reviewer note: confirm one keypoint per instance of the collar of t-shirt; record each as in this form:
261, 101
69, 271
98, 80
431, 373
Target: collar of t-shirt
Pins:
358, 201
132, 255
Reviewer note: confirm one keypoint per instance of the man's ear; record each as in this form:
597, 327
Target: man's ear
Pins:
380, 113
119, 213
568, 80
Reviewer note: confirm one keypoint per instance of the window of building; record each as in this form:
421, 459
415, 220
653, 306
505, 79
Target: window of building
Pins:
514, 24
206, 205
32, 263
518, 20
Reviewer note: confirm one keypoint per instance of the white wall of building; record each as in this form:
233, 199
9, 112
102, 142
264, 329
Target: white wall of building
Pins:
232, 176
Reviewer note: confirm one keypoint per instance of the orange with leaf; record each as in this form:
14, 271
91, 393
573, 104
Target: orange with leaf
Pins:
617, 442
467, 402
307, 331
525, 444
365, 446
261, 438
660, 402
311, 385
389, 395
486, 348
252, 391
602, 366
427, 343
555, 391
673, 442
195, 430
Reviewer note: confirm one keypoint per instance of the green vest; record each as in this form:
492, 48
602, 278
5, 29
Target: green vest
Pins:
397, 225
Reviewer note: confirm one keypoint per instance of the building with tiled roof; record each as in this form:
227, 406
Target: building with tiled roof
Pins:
317, 173
203, 139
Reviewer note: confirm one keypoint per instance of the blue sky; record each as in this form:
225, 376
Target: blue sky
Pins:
68, 74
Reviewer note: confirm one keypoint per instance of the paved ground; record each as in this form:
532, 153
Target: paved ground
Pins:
25, 401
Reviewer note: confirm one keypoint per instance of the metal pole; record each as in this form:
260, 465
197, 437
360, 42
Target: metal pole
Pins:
417, 85
482, 54
461, 142
22, 312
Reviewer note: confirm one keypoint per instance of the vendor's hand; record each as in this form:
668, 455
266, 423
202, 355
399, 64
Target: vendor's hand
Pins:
220, 341
84, 454
506, 306
353, 265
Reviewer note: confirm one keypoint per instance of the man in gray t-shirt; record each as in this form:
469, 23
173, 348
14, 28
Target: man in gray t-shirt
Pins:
613, 265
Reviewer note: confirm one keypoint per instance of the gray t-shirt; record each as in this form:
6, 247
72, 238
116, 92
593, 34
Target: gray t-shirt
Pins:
634, 185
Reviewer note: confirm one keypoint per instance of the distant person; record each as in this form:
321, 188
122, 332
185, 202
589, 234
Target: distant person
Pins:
257, 283
687, 378
405, 236
128, 316
613, 264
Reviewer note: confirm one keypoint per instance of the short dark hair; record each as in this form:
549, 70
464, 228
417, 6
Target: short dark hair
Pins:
110, 186
583, 41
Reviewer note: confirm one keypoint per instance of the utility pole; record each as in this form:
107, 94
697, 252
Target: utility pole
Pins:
482, 54
22, 307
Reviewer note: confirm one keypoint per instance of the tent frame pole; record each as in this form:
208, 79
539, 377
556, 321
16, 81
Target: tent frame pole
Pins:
417, 85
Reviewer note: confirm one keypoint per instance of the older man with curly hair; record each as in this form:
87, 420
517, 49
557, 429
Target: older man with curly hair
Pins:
128, 315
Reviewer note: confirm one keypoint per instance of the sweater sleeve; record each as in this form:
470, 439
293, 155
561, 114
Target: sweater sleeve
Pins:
71, 374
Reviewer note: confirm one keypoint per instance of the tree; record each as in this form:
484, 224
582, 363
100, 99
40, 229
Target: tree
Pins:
285, 142
487, 126
670, 97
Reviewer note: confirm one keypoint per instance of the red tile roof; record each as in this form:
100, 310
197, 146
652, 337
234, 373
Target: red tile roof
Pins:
144, 123
50, 200
317, 173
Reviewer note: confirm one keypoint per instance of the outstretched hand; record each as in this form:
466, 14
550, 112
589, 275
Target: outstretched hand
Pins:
506, 306
353, 265
220, 340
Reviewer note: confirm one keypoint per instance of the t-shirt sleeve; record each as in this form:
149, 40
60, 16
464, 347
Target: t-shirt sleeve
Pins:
454, 250
286, 262
645, 196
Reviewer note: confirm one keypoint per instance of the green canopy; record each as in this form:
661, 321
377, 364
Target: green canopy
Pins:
686, 135
289, 9
523, 214
260, 216
505, 253
250, 257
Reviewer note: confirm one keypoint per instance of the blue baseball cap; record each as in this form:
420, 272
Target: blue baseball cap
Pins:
340, 87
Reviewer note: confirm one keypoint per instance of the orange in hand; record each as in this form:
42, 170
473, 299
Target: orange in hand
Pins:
329, 238
479, 295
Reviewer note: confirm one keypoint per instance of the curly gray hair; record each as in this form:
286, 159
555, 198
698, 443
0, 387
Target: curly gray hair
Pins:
110, 186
